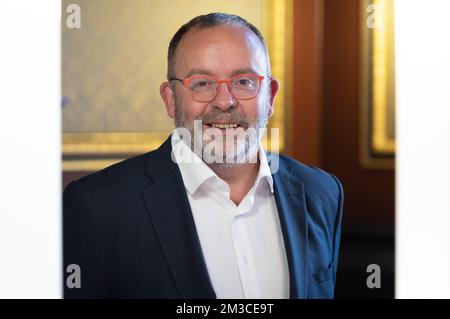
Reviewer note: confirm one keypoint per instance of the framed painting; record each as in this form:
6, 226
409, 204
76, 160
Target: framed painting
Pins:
115, 60
377, 84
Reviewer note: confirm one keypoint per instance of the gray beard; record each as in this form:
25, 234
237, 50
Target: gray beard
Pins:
229, 160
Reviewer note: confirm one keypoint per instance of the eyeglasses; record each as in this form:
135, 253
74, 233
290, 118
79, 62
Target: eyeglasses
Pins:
205, 88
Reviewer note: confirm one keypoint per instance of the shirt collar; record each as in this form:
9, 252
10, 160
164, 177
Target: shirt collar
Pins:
264, 169
195, 172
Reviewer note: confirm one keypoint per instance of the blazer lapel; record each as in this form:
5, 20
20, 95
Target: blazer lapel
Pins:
170, 213
290, 198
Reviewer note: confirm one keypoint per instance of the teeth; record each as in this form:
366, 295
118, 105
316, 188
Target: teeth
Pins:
222, 126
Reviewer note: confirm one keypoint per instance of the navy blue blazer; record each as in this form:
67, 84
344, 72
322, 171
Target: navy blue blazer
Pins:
130, 229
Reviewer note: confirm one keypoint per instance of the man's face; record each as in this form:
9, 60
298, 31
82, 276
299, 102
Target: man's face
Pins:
221, 52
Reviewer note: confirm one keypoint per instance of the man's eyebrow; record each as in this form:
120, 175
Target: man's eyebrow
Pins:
199, 72
235, 72
243, 71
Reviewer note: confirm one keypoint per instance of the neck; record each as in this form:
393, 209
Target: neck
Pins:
240, 177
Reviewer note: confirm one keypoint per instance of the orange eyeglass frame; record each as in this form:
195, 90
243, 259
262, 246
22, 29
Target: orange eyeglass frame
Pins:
186, 83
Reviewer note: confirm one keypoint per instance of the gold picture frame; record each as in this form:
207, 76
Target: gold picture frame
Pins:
89, 151
377, 84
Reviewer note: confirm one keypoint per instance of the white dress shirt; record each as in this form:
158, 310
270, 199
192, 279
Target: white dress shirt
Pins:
242, 245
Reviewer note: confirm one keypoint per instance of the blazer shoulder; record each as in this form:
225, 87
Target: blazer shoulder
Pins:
120, 177
314, 178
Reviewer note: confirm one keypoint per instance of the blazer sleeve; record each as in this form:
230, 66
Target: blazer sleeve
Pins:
337, 227
82, 245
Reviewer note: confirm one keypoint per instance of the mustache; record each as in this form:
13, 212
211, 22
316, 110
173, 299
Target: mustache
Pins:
229, 117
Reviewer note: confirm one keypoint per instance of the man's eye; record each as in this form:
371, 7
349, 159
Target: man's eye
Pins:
202, 84
244, 82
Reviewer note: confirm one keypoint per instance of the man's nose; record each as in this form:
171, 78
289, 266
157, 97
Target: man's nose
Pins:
224, 99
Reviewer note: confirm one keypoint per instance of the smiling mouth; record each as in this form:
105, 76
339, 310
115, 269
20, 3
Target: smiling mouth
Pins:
223, 126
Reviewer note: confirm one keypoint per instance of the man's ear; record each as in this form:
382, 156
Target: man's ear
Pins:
274, 87
167, 95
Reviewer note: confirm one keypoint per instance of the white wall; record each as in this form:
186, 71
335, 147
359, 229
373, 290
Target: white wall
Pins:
423, 139
30, 174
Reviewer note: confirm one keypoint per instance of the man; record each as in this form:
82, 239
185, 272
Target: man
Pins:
205, 217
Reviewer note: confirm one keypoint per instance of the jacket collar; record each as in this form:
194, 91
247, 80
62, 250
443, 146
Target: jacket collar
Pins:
291, 204
170, 213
